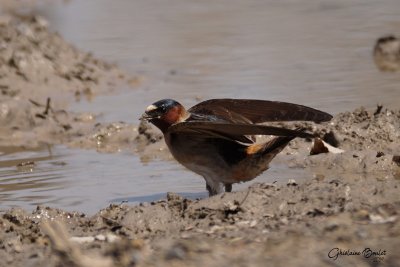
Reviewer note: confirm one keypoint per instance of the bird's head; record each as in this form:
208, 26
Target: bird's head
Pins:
165, 113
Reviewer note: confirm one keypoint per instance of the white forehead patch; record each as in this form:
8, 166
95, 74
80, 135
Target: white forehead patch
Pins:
150, 108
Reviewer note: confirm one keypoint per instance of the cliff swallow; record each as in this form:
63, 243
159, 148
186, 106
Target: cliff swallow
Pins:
215, 138
387, 53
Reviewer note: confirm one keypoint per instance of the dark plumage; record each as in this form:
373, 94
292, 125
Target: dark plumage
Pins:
215, 138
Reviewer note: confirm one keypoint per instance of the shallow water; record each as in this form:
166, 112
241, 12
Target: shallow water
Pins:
85, 180
315, 53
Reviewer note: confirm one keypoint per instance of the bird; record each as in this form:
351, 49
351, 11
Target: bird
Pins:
216, 138
387, 53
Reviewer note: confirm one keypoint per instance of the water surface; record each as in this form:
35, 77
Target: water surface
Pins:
316, 52
85, 180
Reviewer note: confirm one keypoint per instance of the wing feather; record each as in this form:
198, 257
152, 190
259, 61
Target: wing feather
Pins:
232, 131
258, 111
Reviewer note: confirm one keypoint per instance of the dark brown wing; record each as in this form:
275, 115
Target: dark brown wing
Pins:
232, 131
258, 111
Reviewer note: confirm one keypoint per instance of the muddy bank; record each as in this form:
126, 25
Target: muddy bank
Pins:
40, 75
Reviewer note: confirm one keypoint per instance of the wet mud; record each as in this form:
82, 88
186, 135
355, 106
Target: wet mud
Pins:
350, 206
40, 74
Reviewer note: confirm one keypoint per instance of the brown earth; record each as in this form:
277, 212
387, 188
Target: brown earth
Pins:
351, 205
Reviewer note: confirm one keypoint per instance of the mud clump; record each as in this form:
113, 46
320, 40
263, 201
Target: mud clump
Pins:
362, 129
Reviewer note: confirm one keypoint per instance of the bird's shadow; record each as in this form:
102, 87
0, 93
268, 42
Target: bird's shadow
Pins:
156, 197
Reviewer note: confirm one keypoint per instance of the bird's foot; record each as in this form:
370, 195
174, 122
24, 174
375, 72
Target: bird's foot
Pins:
228, 187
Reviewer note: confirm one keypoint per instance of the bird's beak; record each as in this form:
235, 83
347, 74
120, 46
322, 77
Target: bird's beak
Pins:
149, 117
150, 113
145, 117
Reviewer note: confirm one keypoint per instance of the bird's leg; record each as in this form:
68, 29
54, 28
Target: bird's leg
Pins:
228, 187
208, 187
213, 188
212, 191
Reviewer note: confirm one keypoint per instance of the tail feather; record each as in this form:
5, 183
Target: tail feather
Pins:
273, 146
276, 145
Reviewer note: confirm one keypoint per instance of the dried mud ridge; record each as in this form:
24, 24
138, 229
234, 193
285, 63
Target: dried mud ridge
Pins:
351, 203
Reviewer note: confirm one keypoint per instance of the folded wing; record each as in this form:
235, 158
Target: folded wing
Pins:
237, 132
258, 111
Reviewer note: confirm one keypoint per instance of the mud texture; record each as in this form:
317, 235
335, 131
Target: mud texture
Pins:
294, 224
40, 74
351, 205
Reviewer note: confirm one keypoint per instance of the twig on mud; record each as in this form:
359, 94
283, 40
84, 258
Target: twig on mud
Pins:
48, 108
69, 253
245, 197
35, 103
46, 111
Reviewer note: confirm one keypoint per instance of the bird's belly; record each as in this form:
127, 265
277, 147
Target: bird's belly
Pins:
204, 163
205, 159
244, 171
200, 157
248, 170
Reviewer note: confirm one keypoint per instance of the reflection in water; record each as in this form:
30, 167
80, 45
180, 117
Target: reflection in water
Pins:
23, 171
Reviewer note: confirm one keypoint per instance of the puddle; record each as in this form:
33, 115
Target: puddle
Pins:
86, 181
